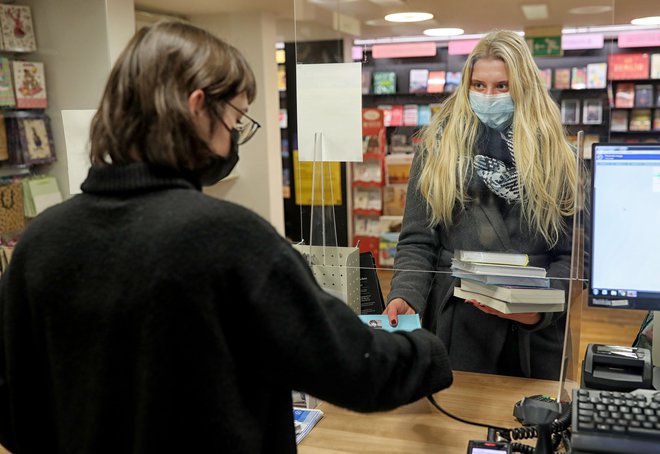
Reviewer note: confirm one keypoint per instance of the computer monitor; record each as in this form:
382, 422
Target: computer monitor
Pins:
624, 242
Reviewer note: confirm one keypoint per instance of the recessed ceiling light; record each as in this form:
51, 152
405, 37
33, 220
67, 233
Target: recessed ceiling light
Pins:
590, 9
408, 17
535, 12
443, 31
651, 20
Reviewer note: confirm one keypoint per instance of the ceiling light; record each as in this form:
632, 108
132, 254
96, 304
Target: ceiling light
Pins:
651, 20
443, 31
535, 12
590, 9
408, 17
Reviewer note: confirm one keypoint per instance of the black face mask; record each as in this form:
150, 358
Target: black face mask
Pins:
219, 166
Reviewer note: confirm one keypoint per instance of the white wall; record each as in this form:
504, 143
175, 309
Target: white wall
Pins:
259, 182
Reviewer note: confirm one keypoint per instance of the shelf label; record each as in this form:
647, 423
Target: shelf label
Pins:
583, 41
461, 46
649, 38
404, 50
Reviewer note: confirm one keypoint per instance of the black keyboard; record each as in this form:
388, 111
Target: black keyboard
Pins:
615, 422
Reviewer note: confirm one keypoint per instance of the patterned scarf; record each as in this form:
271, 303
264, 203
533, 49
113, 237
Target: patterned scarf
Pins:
500, 178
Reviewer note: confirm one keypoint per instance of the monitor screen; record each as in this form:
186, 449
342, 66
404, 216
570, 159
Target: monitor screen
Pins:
625, 226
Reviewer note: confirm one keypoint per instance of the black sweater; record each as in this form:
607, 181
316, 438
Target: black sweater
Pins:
145, 317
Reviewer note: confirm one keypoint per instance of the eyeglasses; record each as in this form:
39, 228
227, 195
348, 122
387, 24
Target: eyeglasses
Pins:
246, 126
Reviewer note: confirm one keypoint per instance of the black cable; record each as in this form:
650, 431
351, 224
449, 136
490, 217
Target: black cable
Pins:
464, 421
524, 449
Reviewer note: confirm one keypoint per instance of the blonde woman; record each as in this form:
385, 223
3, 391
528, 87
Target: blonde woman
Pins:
495, 173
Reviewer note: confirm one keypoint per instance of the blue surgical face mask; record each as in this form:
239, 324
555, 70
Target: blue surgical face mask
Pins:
495, 111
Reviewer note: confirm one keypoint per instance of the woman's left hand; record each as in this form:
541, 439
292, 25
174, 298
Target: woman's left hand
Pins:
527, 318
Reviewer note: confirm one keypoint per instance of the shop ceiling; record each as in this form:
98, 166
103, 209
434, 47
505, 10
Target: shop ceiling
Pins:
317, 19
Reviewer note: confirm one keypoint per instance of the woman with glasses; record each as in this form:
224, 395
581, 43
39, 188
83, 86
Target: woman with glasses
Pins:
143, 316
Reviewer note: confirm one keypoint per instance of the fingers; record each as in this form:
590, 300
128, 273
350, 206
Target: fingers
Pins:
392, 314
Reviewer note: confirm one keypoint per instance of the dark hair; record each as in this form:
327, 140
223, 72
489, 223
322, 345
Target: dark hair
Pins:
144, 115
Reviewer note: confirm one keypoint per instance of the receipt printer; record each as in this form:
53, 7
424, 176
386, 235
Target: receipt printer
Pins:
617, 368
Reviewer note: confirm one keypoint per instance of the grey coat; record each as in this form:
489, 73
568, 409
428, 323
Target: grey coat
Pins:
475, 339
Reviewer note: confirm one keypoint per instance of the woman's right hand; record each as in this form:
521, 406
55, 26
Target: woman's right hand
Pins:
396, 307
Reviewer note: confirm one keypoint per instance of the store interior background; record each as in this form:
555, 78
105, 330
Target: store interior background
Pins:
303, 27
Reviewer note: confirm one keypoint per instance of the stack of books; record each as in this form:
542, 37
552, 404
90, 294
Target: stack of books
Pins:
505, 282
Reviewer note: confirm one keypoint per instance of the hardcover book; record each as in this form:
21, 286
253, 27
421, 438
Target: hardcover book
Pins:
655, 66
496, 258
624, 95
597, 75
30, 85
410, 115
36, 139
562, 78
507, 308
643, 95
17, 29
436, 82
546, 77
384, 82
570, 111
512, 294
7, 98
424, 115
628, 66
619, 120
304, 420
640, 120
418, 80
656, 120
397, 168
519, 281
281, 78
396, 118
452, 81
499, 270
592, 111
578, 78
394, 199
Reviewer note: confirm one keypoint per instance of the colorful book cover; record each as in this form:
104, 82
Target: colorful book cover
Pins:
643, 95
546, 77
628, 66
30, 85
387, 114
640, 120
283, 119
384, 82
436, 82
17, 29
656, 120
418, 80
597, 75
304, 420
619, 121
410, 115
592, 111
655, 66
397, 115
452, 81
424, 115
578, 78
281, 78
394, 199
36, 140
624, 95
7, 98
570, 111
562, 78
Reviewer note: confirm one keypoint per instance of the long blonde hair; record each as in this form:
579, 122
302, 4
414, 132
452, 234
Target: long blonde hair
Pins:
546, 164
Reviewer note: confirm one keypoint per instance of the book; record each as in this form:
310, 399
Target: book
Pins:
410, 115
452, 81
304, 420
519, 281
30, 85
578, 78
387, 114
498, 270
496, 258
7, 98
507, 308
371, 294
624, 95
643, 95
597, 75
562, 78
657, 95
409, 322
424, 115
384, 82
17, 29
511, 294
546, 77
281, 78
619, 120
628, 66
4, 149
40, 193
283, 118
640, 120
397, 168
394, 199
418, 80
396, 117
655, 66
436, 82
36, 139
592, 111
570, 111
366, 82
